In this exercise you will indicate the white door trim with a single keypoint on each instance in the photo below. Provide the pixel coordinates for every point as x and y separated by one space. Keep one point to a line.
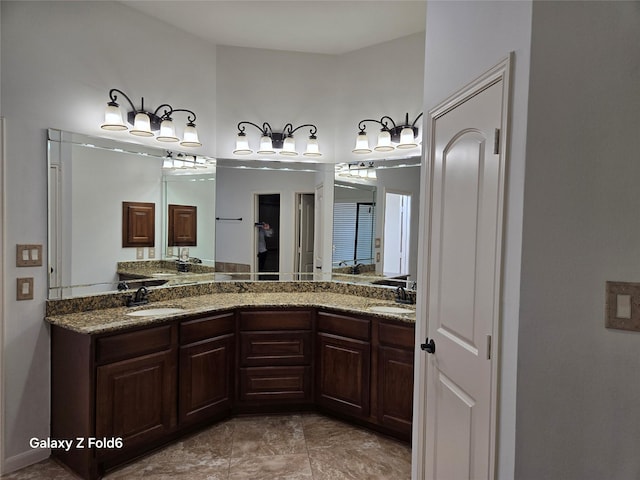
3 218
501 71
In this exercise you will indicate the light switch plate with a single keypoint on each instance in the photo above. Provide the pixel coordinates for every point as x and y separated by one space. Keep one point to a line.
140 253
152 252
622 308
24 288
28 255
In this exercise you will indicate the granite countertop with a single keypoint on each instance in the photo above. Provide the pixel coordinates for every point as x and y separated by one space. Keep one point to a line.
113 319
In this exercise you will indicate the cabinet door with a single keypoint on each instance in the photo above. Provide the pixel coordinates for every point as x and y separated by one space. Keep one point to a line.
206 379
136 398
343 374
395 389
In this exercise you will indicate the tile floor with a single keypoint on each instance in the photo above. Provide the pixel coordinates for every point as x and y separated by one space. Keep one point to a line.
287 447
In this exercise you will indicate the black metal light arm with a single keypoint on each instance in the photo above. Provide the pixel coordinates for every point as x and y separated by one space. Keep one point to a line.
114 97
264 129
289 130
191 118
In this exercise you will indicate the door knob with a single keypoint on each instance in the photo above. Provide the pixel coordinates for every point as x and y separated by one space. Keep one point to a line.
429 346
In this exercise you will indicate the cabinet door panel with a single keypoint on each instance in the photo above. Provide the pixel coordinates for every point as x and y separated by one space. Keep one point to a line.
206 379
135 399
395 389
343 374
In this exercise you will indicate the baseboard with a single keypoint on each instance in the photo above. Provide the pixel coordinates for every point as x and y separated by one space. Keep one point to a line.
17 462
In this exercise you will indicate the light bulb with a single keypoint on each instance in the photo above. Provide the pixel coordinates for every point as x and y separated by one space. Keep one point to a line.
406 138
362 144
167 131
113 118
313 149
266 147
384 141
190 136
289 147
242 145
141 126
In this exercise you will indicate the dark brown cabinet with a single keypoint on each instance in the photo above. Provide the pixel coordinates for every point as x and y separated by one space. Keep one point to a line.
365 370
183 226
275 359
117 386
135 399
149 385
343 364
138 224
395 377
207 368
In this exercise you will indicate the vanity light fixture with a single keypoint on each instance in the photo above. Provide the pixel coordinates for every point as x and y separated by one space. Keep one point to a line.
272 142
403 136
182 161
145 123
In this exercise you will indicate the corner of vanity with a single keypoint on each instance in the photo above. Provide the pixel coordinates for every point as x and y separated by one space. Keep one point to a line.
126 384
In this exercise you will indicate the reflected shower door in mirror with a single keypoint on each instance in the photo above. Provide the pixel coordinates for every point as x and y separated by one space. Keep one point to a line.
369 224
89 179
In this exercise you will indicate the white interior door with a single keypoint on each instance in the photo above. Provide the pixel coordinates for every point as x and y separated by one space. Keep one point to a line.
464 272
304 254
397 221
318 231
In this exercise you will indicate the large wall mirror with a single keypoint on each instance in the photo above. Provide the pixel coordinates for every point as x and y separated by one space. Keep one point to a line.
90 178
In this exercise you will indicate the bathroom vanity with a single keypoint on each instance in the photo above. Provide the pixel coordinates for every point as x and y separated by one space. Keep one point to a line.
149 379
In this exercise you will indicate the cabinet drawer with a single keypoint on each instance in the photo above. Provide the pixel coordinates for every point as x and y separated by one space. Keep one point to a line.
131 344
275 384
207 327
276 320
275 348
392 335
346 326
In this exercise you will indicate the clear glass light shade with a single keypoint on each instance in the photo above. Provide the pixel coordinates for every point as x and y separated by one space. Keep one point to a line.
362 144
167 163
141 126
167 132
190 138
384 142
242 145
113 119
406 138
266 147
289 147
313 149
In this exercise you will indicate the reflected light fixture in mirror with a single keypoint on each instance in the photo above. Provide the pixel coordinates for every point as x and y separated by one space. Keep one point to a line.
145 123
272 142
403 136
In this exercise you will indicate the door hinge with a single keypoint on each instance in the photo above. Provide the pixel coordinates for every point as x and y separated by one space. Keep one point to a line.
496 141
488 347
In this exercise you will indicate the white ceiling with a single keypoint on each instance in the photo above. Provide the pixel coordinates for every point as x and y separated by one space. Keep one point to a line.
315 26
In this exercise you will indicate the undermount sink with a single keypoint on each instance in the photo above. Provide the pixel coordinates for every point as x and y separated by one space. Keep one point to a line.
147 312
389 309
